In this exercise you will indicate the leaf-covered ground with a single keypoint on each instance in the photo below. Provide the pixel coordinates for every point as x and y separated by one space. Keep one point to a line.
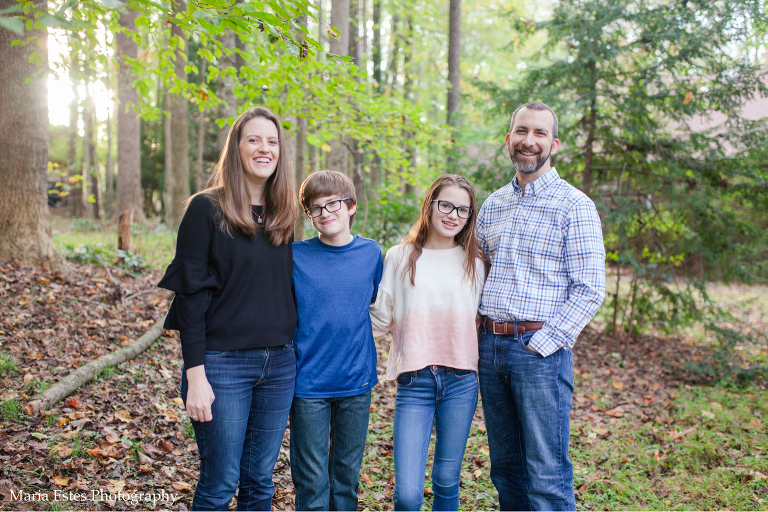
647 432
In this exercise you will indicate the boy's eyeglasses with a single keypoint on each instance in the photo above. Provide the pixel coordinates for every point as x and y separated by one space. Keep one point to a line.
330 207
445 207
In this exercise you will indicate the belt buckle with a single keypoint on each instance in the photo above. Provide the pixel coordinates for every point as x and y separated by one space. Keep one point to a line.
500 323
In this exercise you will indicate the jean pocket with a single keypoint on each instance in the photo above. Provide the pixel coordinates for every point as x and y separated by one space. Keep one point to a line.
216 353
405 380
527 348
461 374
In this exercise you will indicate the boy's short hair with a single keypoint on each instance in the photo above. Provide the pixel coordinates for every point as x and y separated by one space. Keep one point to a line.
328 183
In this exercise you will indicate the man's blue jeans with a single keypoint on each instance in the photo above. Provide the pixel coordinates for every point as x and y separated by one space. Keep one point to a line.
253 390
448 398
326 477
527 404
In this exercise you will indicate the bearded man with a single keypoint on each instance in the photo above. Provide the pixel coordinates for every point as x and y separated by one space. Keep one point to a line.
547 280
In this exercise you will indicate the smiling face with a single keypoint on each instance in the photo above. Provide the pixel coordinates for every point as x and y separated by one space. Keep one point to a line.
332 227
445 226
530 141
259 151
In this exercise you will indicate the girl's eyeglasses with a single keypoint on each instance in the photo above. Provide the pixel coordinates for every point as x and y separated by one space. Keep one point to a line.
445 207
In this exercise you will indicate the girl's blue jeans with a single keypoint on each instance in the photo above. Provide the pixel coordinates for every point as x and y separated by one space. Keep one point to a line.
447 398
253 390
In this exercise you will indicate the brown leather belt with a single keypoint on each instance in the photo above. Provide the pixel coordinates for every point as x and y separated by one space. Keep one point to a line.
508 328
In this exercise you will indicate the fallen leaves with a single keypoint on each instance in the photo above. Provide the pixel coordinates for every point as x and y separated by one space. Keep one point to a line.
74 403
182 486
116 485
123 415
63 451
616 412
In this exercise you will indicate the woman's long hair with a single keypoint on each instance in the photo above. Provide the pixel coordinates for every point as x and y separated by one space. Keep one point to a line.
466 238
228 190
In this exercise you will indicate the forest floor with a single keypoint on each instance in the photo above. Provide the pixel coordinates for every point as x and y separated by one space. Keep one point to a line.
648 431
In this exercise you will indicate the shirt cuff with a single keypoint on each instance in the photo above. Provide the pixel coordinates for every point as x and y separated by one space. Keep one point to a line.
543 342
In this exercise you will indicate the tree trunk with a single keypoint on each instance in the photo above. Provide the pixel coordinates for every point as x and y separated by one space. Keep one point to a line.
631 325
340 20
109 196
314 154
124 221
589 145
614 327
362 21
94 174
25 233
338 157
392 67
89 371
226 87
200 174
90 175
75 197
179 124
240 45
301 168
376 53
454 60
377 77
301 155
168 178
354 51
128 188
407 87
354 31
85 171
109 207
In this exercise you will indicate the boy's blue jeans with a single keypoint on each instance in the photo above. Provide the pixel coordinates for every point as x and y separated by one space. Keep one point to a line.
253 390
448 398
527 403
326 477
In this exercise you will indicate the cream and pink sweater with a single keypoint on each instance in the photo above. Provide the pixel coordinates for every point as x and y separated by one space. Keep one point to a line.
433 322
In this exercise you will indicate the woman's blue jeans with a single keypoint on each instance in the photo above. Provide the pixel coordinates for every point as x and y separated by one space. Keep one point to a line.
253 390
443 396
327 446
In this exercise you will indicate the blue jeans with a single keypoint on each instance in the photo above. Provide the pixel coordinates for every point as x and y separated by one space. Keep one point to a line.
527 404
326 477
447 397
253 390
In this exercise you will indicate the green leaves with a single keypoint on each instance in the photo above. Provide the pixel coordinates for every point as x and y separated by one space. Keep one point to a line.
15 25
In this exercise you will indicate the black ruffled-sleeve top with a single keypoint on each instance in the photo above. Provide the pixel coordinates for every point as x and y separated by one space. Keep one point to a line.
232 292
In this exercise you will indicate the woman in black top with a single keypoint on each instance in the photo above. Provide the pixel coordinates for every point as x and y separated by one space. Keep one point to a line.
235 313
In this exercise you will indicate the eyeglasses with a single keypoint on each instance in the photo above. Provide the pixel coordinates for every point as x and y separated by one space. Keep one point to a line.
330 207
445 207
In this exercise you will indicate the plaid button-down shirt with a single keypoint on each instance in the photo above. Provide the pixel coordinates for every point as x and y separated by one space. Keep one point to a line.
547 259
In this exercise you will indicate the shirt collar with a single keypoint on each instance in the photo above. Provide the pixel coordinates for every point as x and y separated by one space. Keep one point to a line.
538 185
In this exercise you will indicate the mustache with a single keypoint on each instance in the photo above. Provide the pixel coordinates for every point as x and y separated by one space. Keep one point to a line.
520 147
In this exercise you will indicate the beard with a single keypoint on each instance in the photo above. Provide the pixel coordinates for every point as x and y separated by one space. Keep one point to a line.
524 165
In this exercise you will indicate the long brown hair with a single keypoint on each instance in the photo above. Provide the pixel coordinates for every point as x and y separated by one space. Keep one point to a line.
228 190
466 238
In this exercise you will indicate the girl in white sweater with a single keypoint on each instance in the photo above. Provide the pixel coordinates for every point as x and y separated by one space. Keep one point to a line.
428 298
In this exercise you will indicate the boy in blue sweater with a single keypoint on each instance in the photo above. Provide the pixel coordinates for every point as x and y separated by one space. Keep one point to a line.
336 276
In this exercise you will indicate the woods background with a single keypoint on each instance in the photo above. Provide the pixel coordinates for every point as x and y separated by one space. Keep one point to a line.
112 113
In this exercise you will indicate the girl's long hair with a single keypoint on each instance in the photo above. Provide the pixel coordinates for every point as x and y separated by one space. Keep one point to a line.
466 238
228 191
